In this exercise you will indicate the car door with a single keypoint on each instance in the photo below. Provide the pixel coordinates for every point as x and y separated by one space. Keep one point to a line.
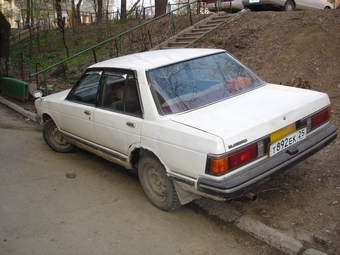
301 4
316 4
77 111
118 118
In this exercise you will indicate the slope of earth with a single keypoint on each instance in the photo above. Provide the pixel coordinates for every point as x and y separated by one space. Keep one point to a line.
303 46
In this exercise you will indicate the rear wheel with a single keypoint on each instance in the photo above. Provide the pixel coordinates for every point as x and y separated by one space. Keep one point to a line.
289 6
156 185
54 138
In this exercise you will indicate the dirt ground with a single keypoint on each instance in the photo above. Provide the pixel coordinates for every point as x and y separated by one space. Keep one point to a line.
281 47
296 48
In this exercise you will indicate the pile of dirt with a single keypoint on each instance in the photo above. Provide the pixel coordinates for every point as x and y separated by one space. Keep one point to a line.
300 49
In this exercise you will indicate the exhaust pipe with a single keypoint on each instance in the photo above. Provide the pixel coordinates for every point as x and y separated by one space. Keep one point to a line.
250 196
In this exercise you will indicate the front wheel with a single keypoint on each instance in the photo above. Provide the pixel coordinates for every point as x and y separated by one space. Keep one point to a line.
54 138
289 6
156 185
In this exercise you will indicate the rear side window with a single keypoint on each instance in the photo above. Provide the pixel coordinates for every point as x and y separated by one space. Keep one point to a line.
120 93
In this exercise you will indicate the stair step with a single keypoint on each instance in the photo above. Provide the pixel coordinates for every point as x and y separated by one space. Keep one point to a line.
200 30
224 17
185 39
196 34
208 26
213 21
188 39
178 44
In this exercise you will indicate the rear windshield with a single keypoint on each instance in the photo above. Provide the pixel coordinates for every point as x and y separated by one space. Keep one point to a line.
198 82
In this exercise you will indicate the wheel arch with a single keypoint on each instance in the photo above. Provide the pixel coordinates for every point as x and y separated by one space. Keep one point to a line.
138 152
184 195
45 117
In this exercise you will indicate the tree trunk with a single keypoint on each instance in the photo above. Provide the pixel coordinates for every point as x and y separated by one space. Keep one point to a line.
61 24
160 7
28 7
78 12
123 10
100 11
74 14
6 69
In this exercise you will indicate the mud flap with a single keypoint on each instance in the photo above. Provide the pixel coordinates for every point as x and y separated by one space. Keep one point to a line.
184 196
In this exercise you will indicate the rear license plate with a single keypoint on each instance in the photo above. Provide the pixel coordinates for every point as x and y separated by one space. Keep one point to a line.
287 141
254 1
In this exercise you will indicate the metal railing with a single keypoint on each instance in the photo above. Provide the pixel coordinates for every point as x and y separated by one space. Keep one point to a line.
20 36
119 36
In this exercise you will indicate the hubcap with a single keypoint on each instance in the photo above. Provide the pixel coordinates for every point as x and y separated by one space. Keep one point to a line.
156 183
57 138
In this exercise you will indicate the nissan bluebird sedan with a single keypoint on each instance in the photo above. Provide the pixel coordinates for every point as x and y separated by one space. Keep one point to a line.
191 122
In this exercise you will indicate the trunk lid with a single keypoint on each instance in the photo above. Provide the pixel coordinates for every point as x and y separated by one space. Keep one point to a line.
254 114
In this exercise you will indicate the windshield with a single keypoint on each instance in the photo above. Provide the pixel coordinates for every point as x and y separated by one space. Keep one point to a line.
194 83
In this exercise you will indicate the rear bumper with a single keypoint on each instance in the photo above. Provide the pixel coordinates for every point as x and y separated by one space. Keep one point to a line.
266 169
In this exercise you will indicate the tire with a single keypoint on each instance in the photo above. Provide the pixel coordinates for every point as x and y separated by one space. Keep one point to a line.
55 139
157 186
289 6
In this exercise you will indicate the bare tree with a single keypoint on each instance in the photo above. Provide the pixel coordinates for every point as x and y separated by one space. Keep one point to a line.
134 9
61 23
160 7
21 5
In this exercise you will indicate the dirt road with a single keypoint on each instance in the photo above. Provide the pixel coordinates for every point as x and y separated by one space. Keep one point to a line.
101 211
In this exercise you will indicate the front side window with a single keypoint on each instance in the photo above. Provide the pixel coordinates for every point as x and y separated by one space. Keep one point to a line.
194 83
86 90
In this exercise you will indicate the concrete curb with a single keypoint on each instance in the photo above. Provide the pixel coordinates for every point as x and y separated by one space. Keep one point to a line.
271 236
260 231
19 109
313 252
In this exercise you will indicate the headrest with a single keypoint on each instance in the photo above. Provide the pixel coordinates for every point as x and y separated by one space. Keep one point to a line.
120 93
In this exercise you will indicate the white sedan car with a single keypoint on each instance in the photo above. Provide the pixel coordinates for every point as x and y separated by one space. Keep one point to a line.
287 5
223 5
192 122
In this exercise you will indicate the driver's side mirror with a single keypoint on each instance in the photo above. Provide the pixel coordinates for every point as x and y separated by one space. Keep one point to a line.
37 94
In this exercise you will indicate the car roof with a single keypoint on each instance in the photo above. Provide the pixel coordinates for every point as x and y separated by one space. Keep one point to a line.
156 58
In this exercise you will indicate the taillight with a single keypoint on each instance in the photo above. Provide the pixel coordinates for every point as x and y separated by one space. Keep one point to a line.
320 118
222 165
243 156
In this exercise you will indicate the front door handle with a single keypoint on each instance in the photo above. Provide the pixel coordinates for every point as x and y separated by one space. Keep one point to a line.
87 112
131 124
